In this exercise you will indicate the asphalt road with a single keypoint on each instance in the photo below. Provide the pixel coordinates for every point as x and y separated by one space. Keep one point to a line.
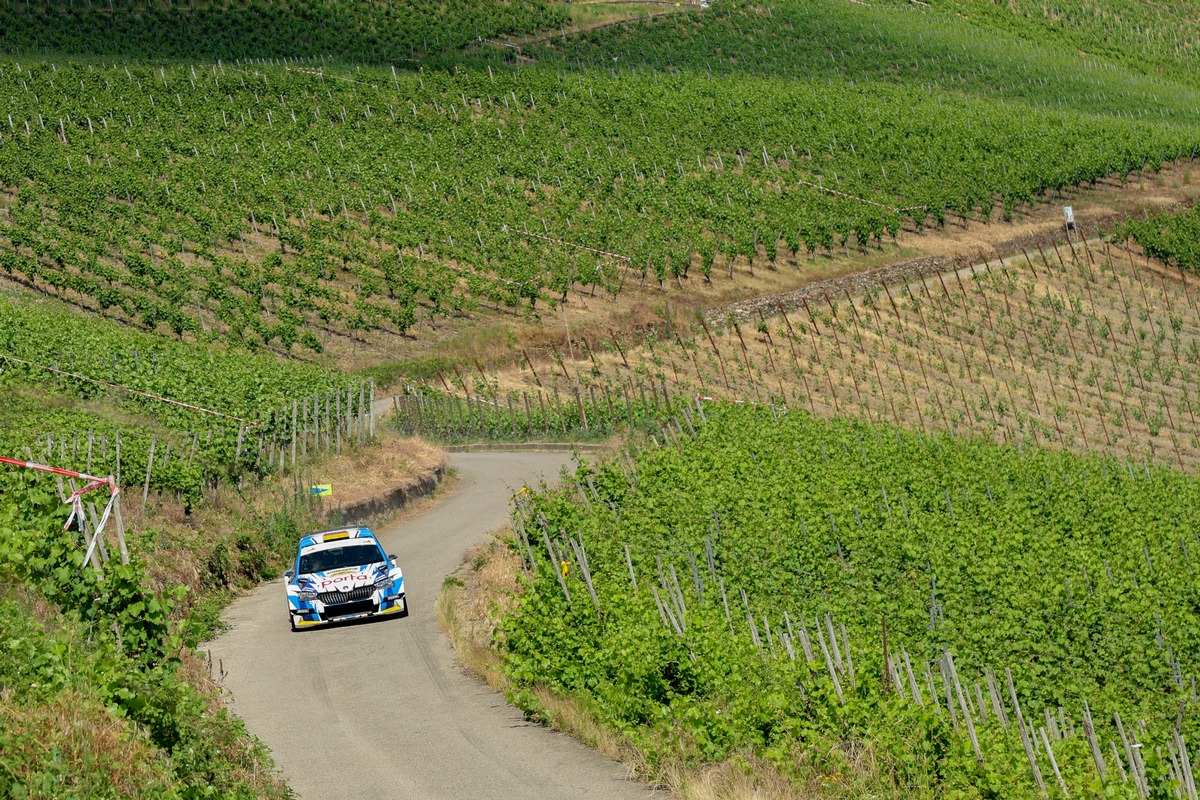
381 708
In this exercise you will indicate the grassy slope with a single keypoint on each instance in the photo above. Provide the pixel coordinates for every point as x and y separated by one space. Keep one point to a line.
99 696
1158 37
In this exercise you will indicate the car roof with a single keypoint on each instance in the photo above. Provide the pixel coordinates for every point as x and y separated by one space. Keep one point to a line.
334 536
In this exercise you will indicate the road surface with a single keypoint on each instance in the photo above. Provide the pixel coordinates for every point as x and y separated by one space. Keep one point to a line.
381 708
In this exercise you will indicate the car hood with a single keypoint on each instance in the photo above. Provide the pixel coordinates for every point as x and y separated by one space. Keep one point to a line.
342 580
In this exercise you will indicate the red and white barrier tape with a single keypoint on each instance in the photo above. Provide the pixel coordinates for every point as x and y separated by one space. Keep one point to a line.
118 387
92 483
568 244
860 199
425 259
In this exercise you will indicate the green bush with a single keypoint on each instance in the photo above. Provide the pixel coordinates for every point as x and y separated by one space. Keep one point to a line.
114 647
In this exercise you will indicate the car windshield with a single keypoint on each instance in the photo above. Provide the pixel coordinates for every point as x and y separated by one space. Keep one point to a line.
352 555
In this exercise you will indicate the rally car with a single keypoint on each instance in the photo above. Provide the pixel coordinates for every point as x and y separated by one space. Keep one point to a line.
342 574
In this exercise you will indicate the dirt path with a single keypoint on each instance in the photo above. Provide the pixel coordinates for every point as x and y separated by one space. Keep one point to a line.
381 709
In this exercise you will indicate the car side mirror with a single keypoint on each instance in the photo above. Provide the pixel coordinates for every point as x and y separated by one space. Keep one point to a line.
290 574
392 559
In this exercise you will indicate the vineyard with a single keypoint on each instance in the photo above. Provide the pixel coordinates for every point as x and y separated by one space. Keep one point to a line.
87 394
794 586
596 412
297 209
1154 37
1085 345
1170 237
899 43
196 30
925 529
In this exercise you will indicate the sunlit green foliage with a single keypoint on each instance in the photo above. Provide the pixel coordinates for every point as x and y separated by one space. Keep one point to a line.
53 414
264 205
1152 36
1078 574
109 653
1173 237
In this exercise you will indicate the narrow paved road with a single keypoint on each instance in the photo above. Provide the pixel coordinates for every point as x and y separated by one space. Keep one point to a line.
381 709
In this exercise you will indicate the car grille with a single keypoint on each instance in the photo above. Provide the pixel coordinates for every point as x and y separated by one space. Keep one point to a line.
347 609
352 596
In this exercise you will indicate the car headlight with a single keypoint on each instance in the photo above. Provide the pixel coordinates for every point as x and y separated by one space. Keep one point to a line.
384 583
307 595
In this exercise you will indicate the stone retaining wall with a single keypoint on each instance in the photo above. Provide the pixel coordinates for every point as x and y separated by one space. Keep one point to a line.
861 283
363 510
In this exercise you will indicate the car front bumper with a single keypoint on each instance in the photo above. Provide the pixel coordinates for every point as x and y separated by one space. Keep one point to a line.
313 616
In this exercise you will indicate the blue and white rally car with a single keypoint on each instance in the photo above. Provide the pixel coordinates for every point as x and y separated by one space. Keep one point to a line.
342 574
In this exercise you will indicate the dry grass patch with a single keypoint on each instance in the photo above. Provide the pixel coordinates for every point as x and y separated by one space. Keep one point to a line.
360 473
568 715
471 602
751 779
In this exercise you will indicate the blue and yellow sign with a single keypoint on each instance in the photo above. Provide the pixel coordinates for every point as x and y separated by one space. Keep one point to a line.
323 490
